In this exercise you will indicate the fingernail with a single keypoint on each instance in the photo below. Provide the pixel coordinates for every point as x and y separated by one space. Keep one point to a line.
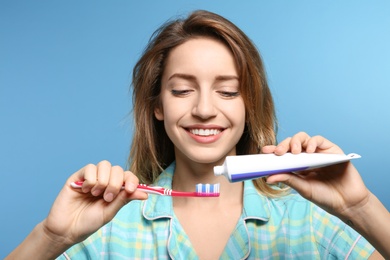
131 187
109 197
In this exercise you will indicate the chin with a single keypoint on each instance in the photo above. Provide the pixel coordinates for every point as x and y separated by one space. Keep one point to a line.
208 158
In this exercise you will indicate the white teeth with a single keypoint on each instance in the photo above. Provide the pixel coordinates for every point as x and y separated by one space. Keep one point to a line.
205 132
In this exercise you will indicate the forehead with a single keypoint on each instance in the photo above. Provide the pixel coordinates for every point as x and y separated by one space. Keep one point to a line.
201 55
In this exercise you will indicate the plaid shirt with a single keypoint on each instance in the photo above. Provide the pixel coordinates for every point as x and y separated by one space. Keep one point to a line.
285 228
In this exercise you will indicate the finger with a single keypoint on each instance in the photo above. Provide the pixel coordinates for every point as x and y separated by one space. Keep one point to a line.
268 149
322 144
115 183
131 182
283 147
88 174
298 142
129 193
315 143
103 177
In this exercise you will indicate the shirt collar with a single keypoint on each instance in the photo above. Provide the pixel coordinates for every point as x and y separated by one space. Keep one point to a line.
157 206
256 206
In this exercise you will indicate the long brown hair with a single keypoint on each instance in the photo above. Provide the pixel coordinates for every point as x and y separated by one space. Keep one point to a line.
152 150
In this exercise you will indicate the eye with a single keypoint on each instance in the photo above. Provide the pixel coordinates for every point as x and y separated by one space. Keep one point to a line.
180 93
229 94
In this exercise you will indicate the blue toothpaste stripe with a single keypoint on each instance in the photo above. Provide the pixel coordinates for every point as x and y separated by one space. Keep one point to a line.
253 175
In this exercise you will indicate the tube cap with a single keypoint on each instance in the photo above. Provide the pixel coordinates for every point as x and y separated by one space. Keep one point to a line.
218 170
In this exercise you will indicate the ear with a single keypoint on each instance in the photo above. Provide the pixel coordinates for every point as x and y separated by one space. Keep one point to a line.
159 114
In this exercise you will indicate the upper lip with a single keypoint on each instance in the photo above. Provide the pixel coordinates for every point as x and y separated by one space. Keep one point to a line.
204 127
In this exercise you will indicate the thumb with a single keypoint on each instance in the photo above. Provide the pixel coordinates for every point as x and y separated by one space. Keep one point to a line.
295 181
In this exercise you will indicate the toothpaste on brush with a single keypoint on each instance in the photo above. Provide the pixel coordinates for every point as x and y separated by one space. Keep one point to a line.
246 167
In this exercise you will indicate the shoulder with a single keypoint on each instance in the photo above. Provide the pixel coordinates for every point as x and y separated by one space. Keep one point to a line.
331 234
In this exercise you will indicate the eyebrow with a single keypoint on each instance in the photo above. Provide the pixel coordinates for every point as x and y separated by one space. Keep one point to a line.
182 76
193 78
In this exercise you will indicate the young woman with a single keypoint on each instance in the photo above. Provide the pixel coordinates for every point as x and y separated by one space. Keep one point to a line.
200 94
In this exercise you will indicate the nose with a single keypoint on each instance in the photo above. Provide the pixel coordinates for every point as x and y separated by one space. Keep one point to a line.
204 107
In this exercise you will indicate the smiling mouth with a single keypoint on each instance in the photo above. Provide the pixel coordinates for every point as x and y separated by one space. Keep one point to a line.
205 132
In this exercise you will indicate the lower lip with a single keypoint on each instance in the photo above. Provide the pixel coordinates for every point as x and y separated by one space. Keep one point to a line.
205 139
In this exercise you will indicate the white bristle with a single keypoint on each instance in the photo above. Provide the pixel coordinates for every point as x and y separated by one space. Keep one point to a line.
207 188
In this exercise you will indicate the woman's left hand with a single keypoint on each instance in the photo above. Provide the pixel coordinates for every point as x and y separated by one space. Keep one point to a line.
338 188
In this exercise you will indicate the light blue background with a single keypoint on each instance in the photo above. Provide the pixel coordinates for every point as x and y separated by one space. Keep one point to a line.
65 69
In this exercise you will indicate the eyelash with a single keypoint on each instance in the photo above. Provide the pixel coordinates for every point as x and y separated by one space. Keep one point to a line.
229 94
180 92
226 94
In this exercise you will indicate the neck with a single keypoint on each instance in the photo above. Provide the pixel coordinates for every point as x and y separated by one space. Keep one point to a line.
186 176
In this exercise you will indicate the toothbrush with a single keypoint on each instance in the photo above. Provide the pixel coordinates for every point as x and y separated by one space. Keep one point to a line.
202 190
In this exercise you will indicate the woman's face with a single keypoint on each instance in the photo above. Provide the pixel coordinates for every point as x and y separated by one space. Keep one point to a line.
202 109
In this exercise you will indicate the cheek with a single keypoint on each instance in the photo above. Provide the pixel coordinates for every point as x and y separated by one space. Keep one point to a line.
173 112
236 111
172 109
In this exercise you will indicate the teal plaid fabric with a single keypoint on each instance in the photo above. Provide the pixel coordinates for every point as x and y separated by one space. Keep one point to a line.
285 228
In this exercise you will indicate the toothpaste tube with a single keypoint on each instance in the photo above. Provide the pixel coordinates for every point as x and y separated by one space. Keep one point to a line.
246 167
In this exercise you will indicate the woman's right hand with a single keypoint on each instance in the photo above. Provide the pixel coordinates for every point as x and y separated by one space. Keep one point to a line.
77 213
